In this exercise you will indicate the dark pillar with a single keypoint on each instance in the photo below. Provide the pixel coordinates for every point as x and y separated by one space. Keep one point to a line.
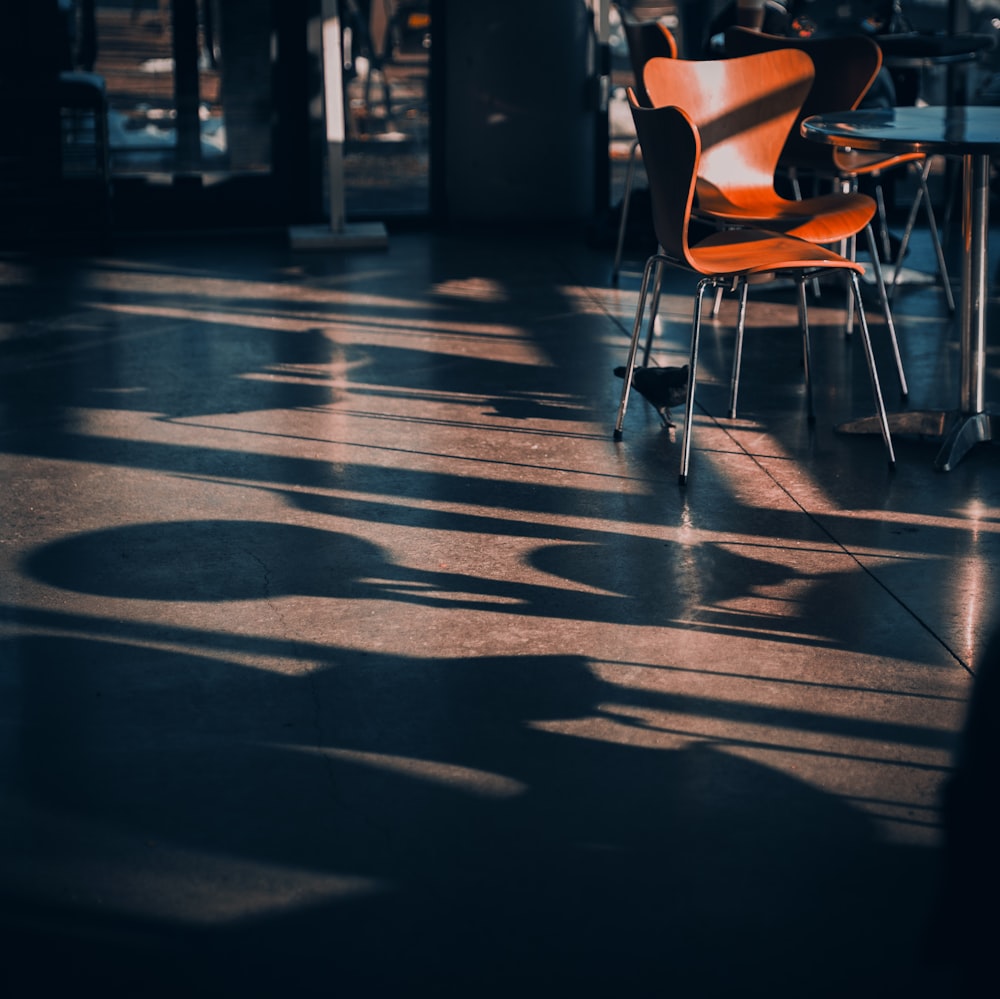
519 108
958 22
34 48
244 29
186 85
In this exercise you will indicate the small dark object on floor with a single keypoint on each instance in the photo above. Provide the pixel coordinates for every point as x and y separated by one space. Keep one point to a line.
660 387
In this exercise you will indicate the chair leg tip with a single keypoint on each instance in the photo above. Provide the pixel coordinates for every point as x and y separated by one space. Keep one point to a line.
617 434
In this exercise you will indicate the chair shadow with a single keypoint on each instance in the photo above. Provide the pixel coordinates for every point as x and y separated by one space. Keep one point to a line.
439 828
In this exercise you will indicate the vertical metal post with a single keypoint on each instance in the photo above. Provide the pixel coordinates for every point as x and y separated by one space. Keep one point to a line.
956 74
975 422
338 235
975 219
333 96
184 14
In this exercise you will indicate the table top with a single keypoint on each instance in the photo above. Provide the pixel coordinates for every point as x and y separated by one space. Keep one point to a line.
913 48
955 129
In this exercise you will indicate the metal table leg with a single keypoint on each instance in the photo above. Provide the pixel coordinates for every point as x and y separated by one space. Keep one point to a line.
972 423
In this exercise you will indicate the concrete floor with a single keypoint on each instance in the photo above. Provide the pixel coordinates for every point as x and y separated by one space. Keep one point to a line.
344 653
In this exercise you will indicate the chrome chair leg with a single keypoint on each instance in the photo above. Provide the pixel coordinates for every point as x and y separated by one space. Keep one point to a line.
741 314
938 248
883 418
654 311
793 177
623 221
806 348
883 298
923 195
851 252
883 219
654 263
692 378
886 309
908 231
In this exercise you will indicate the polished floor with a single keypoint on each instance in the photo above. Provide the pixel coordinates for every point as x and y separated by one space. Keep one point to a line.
343 652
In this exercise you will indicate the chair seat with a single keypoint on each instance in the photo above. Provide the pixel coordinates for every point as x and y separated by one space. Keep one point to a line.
749 252
825 218
862 162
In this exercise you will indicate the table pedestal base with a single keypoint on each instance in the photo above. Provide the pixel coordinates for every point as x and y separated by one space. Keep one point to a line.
969 430
958 432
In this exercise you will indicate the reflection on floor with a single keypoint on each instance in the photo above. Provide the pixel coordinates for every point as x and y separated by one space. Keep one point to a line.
344 652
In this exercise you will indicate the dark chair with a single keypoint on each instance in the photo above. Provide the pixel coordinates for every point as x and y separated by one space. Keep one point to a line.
85 157
846 67
645 40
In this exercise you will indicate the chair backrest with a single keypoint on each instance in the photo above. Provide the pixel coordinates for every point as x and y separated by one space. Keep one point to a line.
845 68
671 147
645 40
744 109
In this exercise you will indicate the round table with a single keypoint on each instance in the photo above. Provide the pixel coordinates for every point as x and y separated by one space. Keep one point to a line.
918 50
974 134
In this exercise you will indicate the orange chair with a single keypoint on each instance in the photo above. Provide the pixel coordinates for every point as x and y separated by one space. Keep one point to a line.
672 150
845 69
745 108
645 40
